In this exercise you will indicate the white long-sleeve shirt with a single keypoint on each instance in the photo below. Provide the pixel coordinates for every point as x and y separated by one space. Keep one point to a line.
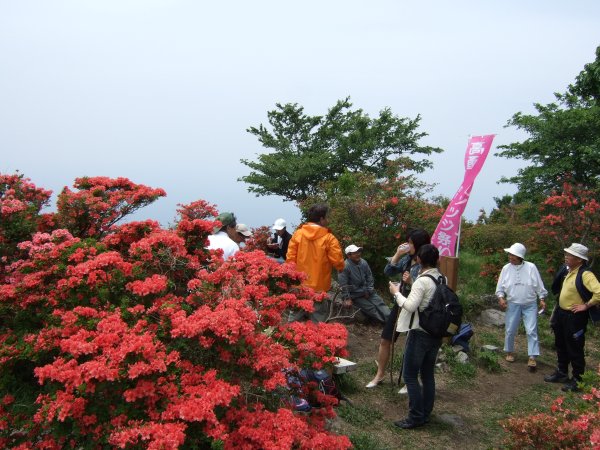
521 283
420 295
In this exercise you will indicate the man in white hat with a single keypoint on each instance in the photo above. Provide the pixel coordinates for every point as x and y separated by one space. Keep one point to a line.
278 244
357 283
518 289
578 291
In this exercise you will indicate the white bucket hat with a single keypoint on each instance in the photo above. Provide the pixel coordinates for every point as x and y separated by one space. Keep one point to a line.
352 249
279 224
517 250
581 251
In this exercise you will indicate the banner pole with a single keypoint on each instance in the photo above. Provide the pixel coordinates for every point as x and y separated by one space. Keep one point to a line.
458 236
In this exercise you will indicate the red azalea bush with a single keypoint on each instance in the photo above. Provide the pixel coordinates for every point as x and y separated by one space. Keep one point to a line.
576 426
572 215
136 336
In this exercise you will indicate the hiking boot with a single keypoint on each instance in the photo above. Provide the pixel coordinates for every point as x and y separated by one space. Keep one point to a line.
510 357
531 364
408 424
570 386
556 377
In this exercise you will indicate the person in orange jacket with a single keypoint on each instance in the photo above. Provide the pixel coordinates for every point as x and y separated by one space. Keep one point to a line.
315 250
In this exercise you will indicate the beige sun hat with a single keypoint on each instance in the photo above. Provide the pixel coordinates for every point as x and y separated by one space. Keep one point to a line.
579 250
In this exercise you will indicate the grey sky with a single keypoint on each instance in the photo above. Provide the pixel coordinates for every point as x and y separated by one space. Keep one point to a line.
162 92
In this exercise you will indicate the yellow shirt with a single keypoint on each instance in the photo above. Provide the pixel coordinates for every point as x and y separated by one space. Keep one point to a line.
569 295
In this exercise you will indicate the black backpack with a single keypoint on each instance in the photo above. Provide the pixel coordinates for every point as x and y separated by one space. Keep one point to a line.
442 316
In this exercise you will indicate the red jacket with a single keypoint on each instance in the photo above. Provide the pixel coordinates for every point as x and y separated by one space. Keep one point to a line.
315 250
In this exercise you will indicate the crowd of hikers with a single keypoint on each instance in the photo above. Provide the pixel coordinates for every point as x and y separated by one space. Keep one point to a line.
520 290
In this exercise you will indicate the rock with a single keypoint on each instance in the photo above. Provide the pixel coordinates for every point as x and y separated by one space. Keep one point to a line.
462 357
490 348
457 348
492 317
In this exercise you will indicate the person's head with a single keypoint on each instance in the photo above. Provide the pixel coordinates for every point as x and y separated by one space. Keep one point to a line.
576 255
228 223
428 256
279 226
516 253
318 213
353 253
242 233
416 239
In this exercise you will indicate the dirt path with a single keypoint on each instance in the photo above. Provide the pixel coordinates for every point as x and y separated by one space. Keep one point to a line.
465 415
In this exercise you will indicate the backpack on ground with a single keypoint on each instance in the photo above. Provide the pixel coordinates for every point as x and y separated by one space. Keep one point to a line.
299 380
465 332
442 316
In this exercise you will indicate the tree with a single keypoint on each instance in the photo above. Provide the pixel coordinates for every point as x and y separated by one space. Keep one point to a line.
307 150
564 140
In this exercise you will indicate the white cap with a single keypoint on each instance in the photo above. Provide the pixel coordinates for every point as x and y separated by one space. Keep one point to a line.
352 249
243 229
581 251
279 224
517 249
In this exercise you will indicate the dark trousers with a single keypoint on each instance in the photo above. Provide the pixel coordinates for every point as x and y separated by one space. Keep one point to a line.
419 359
569 338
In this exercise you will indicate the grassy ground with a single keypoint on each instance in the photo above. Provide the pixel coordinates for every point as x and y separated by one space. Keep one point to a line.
472 399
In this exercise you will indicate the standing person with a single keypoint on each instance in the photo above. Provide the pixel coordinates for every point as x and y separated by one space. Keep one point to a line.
421 348
225 237
357 283
280 241
578 291
403 262
518 289
315 251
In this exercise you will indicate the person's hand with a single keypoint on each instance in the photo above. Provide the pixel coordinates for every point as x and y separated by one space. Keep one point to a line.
394 287
542 305
402 249
406 277
502 302
579 308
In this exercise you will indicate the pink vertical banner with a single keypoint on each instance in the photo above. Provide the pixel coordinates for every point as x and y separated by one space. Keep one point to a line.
446 233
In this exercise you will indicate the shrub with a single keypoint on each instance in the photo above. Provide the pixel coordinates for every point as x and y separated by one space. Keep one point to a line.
137 336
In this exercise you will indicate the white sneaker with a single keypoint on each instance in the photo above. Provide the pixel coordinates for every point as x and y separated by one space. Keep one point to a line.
403 390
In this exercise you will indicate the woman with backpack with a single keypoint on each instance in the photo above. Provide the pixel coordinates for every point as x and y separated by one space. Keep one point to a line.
404 262
421 348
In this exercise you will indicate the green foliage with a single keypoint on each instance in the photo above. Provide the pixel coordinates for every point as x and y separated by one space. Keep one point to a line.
358 415
308 150
365 441
489 361
493 237
564 139
462 373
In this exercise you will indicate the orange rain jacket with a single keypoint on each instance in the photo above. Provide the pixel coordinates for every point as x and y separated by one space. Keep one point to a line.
315 250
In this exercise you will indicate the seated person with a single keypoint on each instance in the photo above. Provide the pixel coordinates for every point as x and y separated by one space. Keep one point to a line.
356 282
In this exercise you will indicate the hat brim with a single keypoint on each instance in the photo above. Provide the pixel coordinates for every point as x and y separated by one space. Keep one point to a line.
578 255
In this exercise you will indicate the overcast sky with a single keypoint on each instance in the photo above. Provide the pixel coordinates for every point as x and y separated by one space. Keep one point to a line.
162 92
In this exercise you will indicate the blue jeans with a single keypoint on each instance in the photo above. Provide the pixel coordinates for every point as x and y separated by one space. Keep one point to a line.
514 312
419 359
